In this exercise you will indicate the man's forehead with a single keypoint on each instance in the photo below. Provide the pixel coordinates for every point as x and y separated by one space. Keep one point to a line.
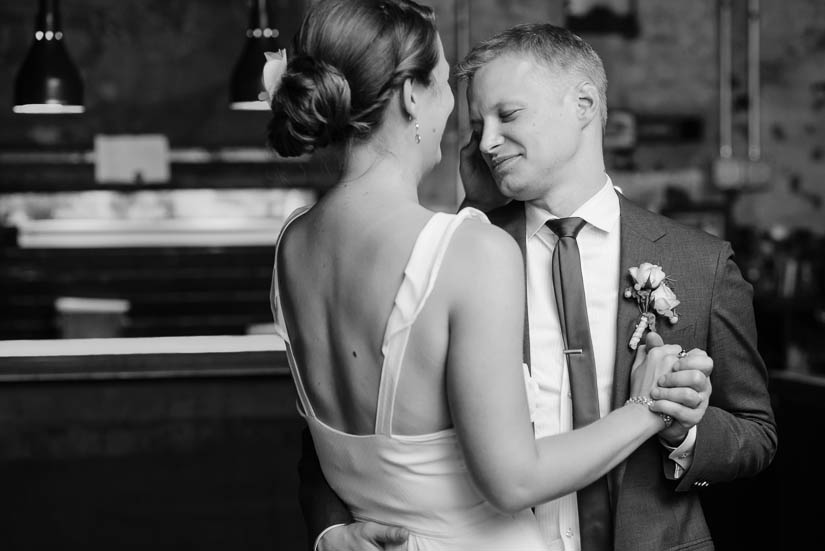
500 80
518 65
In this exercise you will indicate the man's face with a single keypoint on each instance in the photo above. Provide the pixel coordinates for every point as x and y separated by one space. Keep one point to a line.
525 118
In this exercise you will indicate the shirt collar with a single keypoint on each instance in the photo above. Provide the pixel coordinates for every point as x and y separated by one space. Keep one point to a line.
600 211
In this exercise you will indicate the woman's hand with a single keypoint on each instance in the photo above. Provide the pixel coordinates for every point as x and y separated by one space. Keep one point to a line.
654 359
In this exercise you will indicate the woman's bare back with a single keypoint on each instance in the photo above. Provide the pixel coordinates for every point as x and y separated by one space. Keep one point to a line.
340 268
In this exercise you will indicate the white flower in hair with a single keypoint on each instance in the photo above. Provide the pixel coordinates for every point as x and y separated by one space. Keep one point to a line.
273 71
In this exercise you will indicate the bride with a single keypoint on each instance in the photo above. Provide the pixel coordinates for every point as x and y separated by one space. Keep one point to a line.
404 326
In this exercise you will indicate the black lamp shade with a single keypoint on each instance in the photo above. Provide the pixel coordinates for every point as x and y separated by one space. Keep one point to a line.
48 81
246 89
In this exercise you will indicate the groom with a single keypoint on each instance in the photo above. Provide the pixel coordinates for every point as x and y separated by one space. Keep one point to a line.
537 98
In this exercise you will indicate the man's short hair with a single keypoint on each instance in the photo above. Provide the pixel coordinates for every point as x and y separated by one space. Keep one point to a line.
556 47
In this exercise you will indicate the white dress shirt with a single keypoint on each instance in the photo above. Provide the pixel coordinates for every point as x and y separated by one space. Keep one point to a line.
599 247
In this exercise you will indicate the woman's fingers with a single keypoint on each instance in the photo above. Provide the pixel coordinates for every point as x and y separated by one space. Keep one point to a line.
697 360
664 354
653 339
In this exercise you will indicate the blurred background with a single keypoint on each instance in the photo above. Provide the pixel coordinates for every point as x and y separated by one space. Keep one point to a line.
145 402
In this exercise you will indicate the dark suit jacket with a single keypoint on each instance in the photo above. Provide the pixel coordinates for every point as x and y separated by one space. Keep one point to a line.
737 436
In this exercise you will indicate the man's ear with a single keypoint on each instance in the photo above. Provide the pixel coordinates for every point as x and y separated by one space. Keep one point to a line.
408 99
587 102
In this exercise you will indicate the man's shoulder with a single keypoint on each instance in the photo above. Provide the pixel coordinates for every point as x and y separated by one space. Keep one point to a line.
642 219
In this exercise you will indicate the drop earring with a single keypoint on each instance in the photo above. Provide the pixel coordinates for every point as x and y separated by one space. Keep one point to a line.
417 128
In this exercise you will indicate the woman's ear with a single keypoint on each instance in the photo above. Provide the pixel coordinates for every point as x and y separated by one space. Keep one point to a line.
587 102
408 98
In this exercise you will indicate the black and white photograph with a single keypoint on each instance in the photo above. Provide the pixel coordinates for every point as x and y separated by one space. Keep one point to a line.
412 275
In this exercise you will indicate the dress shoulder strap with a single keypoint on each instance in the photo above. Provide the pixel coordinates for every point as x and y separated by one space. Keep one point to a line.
417 284
280 323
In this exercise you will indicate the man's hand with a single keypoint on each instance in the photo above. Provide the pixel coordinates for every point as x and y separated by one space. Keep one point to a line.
364 536
480 189
684 394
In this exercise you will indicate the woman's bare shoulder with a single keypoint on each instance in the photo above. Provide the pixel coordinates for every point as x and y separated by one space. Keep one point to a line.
481 258
479 239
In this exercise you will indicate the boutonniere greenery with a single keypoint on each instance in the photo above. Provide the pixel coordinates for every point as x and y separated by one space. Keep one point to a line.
652 293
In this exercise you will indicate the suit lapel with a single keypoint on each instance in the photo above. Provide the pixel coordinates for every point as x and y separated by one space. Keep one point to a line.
511 218
637 246
639 232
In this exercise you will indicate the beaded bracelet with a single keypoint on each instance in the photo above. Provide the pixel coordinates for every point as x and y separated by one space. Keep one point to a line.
646 401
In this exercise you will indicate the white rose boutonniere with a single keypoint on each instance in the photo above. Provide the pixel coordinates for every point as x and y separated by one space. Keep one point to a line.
652 293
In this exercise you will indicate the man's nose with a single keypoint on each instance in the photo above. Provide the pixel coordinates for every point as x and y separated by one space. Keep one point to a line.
490 140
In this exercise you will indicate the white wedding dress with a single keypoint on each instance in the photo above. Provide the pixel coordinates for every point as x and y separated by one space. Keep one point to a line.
419 482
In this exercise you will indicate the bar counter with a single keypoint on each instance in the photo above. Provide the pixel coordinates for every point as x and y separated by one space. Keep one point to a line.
142 358
149 443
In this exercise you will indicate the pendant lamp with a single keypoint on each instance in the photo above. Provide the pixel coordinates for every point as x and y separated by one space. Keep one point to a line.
246 91
48 82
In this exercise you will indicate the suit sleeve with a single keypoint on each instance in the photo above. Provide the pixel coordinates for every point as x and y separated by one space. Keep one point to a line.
320 505
737 437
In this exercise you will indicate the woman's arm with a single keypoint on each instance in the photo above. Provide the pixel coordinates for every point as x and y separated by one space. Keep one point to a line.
486 388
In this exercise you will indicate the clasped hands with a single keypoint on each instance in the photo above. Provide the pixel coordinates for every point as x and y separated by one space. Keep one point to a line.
683 392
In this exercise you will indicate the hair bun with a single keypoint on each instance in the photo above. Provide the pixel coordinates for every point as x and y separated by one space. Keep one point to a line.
311 109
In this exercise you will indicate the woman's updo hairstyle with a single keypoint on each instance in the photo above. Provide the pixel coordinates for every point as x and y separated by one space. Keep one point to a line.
348 58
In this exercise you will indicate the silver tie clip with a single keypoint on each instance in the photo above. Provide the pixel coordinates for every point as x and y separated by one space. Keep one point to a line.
573 351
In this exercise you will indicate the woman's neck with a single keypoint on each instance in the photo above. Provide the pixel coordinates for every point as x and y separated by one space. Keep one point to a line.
373 171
